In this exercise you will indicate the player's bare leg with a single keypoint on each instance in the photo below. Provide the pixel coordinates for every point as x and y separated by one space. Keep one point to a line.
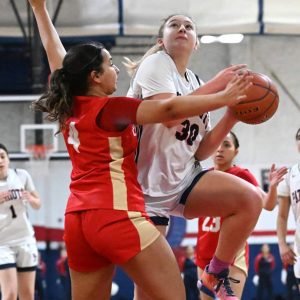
92 285
239 204
26 282
155 273
8 282
139 294
232 198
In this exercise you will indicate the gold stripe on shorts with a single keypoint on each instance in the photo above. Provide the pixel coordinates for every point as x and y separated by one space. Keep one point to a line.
147 231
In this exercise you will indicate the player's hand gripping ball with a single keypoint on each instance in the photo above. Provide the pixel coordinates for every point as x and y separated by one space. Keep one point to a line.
261 102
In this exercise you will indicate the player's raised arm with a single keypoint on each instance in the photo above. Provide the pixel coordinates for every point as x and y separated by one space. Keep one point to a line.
287 254
178 107
275 177
49 36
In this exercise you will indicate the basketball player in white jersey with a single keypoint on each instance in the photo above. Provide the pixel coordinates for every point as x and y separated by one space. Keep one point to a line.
18 249
289 196
168 159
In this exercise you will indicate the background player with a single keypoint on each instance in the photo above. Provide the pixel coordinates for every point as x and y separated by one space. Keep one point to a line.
289 196
18 249
209 227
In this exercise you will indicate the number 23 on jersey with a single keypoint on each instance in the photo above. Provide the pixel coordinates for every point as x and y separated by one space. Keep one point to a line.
211 224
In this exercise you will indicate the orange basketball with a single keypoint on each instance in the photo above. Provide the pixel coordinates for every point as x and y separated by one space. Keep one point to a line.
261 102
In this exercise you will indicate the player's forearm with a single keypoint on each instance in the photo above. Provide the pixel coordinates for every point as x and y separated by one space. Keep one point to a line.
281 230
270 198
50 38
34 200
213 138
35 203
209 87
177 108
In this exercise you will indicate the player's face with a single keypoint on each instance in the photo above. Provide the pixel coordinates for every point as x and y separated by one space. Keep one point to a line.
226 152
109 75
4 162
179 34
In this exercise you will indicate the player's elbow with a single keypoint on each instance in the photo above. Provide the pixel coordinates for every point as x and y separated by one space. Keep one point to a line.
268 206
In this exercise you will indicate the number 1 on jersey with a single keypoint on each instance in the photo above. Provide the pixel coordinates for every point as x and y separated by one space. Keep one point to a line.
13 212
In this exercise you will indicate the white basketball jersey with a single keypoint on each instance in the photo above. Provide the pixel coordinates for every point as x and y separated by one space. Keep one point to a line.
290 187
14 224
165 156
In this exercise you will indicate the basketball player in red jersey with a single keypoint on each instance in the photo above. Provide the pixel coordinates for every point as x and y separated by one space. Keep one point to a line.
209 227
105 220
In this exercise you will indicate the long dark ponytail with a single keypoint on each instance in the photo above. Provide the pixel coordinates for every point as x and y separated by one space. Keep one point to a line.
69 81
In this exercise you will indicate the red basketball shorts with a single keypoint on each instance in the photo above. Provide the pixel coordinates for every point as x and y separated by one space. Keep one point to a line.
96 238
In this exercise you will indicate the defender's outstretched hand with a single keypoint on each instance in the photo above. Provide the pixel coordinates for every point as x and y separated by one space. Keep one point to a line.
276 175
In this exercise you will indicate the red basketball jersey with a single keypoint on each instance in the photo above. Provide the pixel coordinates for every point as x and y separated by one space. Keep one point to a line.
209 227
104 173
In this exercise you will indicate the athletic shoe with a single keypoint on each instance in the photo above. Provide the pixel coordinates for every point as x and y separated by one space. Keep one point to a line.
217 285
